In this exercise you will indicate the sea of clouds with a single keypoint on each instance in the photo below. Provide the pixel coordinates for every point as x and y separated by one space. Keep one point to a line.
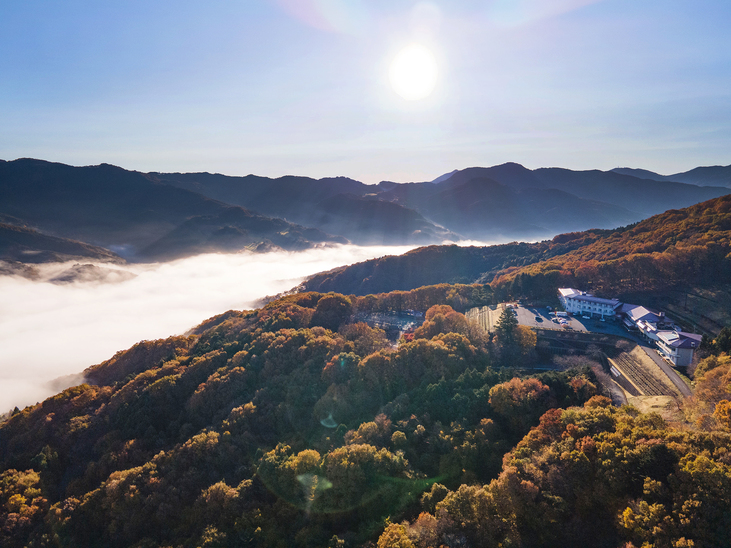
50 330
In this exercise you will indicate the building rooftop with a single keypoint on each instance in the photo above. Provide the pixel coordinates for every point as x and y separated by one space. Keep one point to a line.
640 313
571 293
598 300
568 292
680 339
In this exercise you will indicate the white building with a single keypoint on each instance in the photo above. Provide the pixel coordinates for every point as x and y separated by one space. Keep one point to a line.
674 345
581 302
649 322
677 346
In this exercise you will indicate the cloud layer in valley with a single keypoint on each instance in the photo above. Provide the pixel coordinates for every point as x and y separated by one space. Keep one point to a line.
49 330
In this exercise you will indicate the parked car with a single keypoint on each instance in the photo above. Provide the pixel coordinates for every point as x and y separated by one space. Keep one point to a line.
539 319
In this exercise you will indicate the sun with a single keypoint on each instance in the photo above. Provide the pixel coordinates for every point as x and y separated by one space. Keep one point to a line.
414 72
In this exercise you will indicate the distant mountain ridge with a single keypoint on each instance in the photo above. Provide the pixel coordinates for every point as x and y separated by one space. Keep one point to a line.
26 245
642 196
311 202
163 216
505 201
118 209
701 176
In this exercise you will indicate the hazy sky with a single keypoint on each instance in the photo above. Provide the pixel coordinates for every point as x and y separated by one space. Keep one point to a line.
278 87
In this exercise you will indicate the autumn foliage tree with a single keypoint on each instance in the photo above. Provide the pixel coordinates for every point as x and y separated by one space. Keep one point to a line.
520 402
332 311
598 476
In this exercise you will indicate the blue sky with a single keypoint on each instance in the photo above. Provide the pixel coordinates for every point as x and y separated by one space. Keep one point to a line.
277 87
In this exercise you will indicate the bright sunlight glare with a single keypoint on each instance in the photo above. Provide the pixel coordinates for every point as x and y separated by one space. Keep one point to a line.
413 72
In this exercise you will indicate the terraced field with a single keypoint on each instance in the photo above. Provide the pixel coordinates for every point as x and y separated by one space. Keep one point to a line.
645 381
486 316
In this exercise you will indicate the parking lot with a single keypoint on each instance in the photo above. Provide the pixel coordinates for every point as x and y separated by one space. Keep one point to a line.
528 316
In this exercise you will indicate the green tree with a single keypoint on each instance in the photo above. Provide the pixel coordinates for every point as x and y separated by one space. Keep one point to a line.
506 327
722 343
509 338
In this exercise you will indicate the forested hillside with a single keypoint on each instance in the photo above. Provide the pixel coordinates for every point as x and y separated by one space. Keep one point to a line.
130 212
292 426
686 247
442 264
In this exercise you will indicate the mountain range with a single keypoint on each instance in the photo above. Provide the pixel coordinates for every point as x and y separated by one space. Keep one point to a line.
130 212
163 216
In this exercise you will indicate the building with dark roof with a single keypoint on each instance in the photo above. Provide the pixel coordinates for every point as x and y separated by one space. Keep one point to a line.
678 346
646 320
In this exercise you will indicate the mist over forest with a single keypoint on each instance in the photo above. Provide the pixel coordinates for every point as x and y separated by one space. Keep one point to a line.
48 330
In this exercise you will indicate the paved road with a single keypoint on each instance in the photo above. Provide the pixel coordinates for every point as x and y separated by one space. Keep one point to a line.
618 395
669 371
